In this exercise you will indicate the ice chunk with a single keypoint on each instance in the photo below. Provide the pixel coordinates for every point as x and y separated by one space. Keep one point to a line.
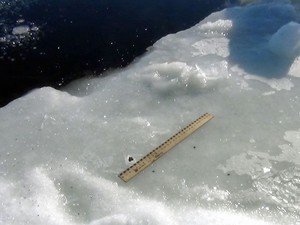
20 21
286 41
175 77
24 29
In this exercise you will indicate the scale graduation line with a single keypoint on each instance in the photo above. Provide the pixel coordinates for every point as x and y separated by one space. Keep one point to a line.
155 154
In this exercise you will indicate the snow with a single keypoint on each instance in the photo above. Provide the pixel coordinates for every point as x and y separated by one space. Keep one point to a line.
61 151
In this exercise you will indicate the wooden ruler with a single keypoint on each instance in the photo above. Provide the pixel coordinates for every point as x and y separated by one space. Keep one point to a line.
155 154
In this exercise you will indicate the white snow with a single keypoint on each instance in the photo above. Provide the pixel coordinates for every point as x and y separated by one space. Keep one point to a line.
61 151
295 68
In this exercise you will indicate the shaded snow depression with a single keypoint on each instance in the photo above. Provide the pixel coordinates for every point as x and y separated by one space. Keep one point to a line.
61 151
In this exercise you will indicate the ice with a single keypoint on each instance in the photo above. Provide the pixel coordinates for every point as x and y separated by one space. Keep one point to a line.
20 30
295 68
61 151
286 41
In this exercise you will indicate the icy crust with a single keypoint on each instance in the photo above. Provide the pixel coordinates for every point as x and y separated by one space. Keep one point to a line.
60 166
276 176
61 152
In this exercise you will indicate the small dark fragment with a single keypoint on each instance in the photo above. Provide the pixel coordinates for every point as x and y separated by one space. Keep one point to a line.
130 159
228 174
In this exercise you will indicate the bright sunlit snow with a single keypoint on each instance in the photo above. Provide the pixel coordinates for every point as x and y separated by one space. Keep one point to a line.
61 152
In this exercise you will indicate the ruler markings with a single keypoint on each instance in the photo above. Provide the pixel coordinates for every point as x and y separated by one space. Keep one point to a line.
155 154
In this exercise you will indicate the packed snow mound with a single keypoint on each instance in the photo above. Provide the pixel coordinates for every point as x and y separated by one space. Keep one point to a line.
61 151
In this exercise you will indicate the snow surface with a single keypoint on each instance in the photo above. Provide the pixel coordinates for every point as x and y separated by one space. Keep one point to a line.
61 151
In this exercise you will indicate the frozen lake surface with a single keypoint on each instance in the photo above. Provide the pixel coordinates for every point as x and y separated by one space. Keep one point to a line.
61 151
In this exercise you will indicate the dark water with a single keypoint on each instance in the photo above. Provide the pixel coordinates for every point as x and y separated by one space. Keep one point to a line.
69 39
